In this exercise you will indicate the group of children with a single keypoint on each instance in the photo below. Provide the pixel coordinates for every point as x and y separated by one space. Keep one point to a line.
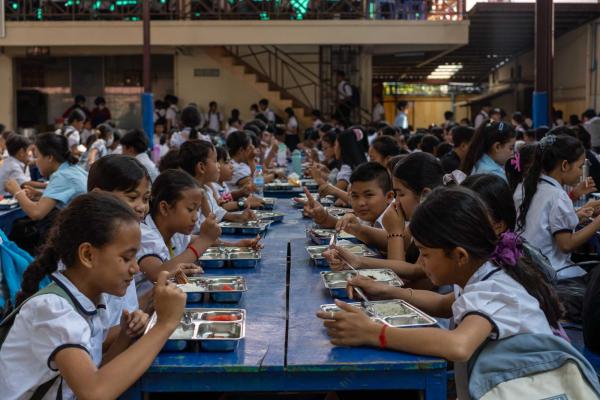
461 244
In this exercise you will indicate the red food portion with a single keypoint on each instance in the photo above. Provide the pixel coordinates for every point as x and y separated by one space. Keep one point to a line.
222 318
227 287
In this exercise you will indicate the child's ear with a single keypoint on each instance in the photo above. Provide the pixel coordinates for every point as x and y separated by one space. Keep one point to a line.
564 166
199 170
85 255
424 193
461 256
163 208
389 197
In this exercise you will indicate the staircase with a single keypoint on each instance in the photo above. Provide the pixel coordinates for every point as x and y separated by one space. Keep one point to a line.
282 83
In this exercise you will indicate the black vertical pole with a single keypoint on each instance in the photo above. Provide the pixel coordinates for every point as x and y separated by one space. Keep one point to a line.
147 102
544 56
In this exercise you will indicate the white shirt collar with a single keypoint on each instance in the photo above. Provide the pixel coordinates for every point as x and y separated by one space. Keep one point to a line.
81 301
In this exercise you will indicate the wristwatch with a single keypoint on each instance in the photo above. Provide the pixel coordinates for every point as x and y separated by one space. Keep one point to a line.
241 204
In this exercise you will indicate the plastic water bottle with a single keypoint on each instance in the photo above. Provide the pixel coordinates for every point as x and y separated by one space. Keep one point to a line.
282 155
259 180
297 162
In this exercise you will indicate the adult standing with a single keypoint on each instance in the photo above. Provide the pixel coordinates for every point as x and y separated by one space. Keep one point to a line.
344 97
401 120
100 113
483 115
378 114
79 104
591 123
291 130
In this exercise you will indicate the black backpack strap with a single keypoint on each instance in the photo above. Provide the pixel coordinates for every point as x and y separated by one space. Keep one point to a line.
41 391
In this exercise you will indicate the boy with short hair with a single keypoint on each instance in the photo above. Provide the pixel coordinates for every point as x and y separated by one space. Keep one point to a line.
15 166
370 195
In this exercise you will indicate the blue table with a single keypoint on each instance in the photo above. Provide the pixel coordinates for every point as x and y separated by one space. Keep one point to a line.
307 362
318 365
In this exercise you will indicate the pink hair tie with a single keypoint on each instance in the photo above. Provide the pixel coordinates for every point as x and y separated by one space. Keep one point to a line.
358 134
516 161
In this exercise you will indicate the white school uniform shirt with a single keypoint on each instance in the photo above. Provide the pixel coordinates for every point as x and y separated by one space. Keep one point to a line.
215 208
317 123
492 294
116 150
72 136
344 173
551 212
220 188
269 114
344 90
378 113
171 113
149 165
153 245
13 169
292 123
214 120
240 171
45 325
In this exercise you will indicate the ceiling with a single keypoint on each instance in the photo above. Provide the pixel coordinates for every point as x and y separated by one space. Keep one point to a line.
497 31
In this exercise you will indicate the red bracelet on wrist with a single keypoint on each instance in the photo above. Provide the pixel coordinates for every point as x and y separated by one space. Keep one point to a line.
194 250
572 196
382 339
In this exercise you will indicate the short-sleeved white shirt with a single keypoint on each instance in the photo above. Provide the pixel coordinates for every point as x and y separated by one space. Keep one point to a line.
378 113
344 90
215 208
72 136
149 165
240 171
344 173
45 325
13 169
171 113
153 245
551 212
214 121
292 123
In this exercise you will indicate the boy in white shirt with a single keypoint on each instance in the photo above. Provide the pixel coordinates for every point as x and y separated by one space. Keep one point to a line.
15 166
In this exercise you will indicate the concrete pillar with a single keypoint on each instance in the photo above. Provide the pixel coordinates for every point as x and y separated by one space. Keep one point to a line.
365 66
544 56
7 88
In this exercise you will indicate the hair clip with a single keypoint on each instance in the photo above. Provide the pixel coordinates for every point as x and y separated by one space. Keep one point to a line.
548 140
456 176
500 126
358 134
516 161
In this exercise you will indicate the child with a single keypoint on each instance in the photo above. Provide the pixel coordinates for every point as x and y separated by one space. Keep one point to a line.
461 138
66 179
214 119
190 119
349 153
224 196
72 131
414 177
135 144
490 147
99 148
243 156
383 148
15 166
494 297
65 354
167 243
370 194
199 159
547 218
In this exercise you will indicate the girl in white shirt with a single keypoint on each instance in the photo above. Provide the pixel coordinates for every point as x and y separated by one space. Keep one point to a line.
135 144
546 217
349 153
291 133
58 341
243 157
71 131
167 240
495 296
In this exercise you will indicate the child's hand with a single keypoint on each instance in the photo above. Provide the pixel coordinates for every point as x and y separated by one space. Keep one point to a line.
210 229
370 287
314 210
350 326
340 203
334 260
248 214
134 324
393 219
585 214
347 221
345 256
12 186
586 187
252 243
169 302
189 269
254 202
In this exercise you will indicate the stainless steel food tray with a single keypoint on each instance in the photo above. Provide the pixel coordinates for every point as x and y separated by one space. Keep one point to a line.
219 289
207 329
321 236
244 228
225 256
336 281
394 313
316 252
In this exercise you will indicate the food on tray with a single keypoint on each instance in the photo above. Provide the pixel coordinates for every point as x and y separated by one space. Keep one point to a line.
388 309
222 318
181 278
227 287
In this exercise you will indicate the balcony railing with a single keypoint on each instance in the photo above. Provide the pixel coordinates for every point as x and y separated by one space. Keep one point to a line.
131 10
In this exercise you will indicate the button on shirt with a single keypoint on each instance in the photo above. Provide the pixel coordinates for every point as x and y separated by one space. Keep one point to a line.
45 325
13 169
67 182
551 212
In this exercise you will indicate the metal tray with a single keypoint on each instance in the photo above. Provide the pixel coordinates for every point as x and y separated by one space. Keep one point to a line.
269 204
321 236
219 289
8 204
316 252
394 313
336 282
269 216
279 186
207 329
236 257
245 228
301 200
310 184
338 211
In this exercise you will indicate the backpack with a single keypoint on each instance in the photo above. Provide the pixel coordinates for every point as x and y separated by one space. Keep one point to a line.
8 322
354 100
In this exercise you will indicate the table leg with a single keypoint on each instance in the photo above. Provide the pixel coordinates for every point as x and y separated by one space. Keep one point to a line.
133 393
436 388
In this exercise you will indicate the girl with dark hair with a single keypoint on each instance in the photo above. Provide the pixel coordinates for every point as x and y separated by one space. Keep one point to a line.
73 128
135 144
517 166
292 137
494 296
167 240
550 224
414 177
70 317
66 179
190 121
243 159
383 148
349 154
99 148
489 149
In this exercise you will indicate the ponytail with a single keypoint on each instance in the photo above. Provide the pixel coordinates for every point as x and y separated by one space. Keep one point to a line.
550 152
483 139
57 146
